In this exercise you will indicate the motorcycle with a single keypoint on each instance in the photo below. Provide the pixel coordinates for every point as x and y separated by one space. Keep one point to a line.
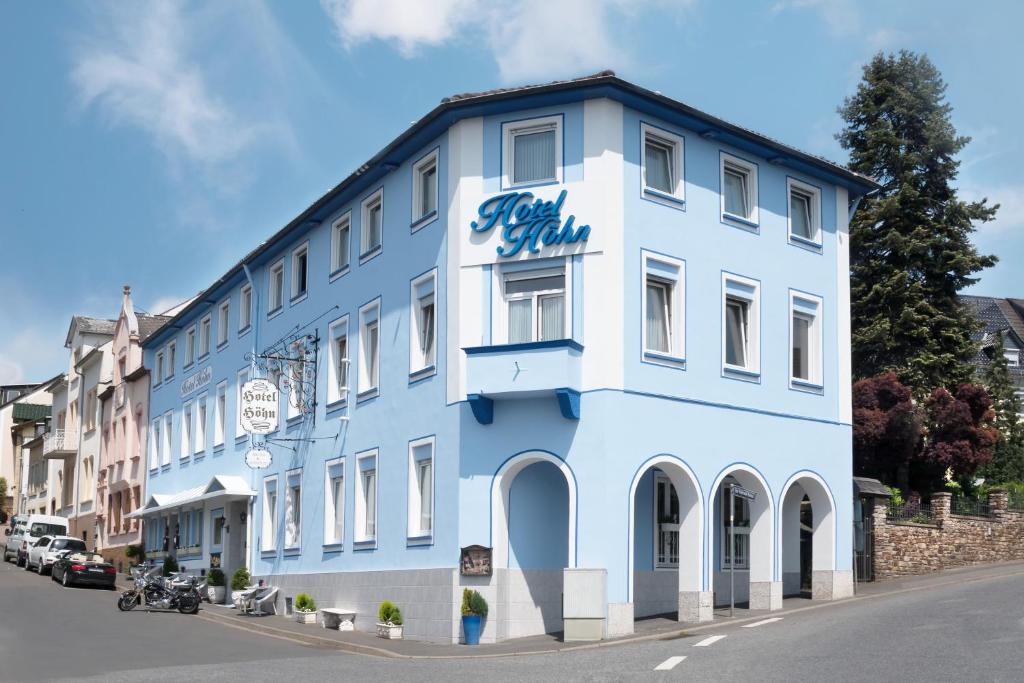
177 592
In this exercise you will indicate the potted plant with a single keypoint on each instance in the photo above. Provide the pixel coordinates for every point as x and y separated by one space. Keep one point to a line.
215 586
389 624
304 609
240 580
474 610
170 565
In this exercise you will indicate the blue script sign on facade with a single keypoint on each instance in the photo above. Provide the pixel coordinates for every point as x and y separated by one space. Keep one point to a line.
528 222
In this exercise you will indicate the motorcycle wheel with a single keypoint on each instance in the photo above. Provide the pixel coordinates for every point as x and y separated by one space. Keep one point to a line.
188 603
127 601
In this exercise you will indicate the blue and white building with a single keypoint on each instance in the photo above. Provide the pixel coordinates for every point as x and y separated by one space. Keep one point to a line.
555 321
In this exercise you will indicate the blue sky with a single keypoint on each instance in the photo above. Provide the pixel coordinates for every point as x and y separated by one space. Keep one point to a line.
153 144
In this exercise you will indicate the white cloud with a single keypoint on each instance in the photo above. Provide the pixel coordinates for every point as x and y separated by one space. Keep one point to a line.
1010 216
138 71
163 304
528 38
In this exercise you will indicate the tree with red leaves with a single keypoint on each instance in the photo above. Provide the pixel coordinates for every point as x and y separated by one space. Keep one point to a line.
887 429
961 432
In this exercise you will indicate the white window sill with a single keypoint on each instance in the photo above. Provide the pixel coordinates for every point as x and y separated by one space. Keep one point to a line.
665 359
741 220
811 245
423 221
742 373
806 386
338 273
422 373
367 394
420 539
334 546
370 255
365 544
660 197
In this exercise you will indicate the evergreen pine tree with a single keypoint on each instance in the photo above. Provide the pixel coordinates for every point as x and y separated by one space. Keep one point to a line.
910 250
1008 461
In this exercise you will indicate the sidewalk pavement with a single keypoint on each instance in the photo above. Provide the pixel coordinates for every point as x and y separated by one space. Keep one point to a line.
655 628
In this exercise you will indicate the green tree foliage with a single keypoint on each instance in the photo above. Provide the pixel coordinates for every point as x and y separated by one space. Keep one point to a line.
1008 460
910 250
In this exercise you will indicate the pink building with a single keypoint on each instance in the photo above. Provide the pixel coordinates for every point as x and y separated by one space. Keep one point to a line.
125 414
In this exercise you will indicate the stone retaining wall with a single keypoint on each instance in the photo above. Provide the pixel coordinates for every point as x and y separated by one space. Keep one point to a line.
949 541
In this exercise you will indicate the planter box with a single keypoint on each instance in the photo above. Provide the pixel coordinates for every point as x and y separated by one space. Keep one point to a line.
388 631
216 594
305 617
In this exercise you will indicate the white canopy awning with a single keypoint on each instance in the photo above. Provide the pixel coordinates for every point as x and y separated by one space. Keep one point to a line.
222 485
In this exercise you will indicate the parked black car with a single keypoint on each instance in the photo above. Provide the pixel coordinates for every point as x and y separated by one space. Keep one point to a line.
79 568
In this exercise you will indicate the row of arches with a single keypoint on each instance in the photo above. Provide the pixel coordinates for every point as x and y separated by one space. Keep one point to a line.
678 533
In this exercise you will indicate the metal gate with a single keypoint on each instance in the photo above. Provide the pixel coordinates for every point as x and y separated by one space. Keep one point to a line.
864 549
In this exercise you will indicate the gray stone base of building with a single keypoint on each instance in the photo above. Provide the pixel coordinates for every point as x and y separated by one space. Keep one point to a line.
831 584
620 619
427 597
696 606
766 595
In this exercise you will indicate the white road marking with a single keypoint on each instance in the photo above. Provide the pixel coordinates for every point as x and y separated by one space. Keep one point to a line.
669 664
708 641
762 622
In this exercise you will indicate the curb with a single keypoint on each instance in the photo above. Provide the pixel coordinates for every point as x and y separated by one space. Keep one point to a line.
367 650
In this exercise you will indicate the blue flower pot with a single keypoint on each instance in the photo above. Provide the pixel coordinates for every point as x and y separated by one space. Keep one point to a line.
471 628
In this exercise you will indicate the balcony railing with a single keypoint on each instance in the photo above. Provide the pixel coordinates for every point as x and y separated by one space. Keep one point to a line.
60 442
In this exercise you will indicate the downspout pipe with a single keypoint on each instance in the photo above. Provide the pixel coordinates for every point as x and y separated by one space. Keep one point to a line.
250 559
856 204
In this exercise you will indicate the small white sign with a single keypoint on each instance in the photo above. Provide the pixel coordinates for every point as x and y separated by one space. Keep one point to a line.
258 458
260 401
196 381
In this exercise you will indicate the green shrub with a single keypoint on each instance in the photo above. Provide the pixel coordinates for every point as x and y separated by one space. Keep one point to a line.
896 498
134 552
473 603
240 580
388 613
304 603
170 565
215 577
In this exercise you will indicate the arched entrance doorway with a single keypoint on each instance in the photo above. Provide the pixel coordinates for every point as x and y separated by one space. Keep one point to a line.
666 542
742 559
808 533
533 534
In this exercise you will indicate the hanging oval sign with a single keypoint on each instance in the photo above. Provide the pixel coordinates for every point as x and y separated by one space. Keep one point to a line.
258 458
259 406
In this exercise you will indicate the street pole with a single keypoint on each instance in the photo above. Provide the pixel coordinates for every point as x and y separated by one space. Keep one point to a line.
732 550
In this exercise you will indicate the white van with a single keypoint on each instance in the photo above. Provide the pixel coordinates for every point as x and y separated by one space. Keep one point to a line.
29 530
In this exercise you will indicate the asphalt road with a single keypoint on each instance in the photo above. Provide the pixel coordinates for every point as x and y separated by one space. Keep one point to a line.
973 630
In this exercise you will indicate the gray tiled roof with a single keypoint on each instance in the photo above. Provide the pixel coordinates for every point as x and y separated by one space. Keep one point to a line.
148 324
998 316
95 325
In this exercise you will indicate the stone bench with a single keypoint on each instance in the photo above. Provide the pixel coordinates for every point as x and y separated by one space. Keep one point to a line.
338 618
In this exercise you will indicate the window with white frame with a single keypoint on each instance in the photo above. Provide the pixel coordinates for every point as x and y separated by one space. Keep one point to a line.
805 339
219 412
243 377
422 323
532 150
217 522
154 444
369 347
190 346
666 523
172 349
186 430
201 424
804 211
334 502
244 308
300 271
275 287
341 243
740 324
739 189
205 326
158 367
424 187
268 536
663 306
535 305
366 501
737 554
293 510
165 454
662 161
372 235
1012 357
338 361
421 487
223 321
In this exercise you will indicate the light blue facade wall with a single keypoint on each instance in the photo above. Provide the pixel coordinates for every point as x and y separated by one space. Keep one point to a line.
707 421
403 411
